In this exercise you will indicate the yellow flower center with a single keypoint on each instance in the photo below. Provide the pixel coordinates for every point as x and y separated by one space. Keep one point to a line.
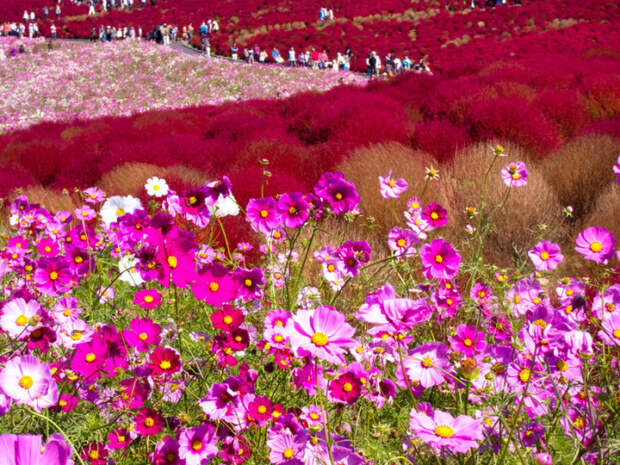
165 364
261 409
248 282
338 196
90 357
347 387
228 319
148 422
319 339
541 323
596 246
78 259
213 286
53 276
524 375
26 382
278 338
444 431
196 444
120 438
544 255
467 342
76 335
172 262
516 176
143 336
93 454
314 416
288 453
616 333
264 213
120 212
21 320
434 216
427 362
148 299
155 187
401 242
438 259
561 365
391 183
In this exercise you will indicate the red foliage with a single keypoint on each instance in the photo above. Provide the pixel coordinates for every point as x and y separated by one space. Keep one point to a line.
512 118
440 138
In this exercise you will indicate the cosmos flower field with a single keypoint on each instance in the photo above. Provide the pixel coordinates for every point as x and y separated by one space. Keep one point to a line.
85 81
211 263
129 336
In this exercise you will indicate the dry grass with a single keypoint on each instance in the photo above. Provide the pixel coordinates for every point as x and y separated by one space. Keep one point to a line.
129 179
581 169
606 211
50 199
517 226
364 166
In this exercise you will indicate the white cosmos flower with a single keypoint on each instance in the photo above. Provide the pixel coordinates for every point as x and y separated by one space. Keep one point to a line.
128 272
116 206
225 206
156 187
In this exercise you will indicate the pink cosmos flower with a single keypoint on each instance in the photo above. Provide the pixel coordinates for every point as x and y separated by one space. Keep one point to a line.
596 243
215 285
340 193
284 448
546 256
227 318
294 210
26 449
198 444
142 333
53 276
347 388
149 422
89 358
617 169
263 214
48 247
391 188
515 174
442 430
435 215
401 241
164 361
323 333
29 381
468 341
167 452
610 330
16 316
147 299
119 439
440 260
428 364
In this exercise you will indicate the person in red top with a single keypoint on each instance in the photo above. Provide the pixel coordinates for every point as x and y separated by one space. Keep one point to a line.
315 59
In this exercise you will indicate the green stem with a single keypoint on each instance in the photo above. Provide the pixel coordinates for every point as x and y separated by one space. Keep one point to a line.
59 429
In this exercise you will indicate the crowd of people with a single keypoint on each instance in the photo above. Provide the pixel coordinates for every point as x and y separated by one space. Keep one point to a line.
326 14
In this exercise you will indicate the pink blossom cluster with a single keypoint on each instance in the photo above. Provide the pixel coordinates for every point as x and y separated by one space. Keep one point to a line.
172 347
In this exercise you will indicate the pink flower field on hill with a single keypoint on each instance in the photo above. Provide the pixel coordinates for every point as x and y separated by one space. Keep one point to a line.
81 81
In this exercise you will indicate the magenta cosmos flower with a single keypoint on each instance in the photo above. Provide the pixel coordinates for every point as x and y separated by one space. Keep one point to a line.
468 341
617 169
26 449
294 210
341 194
142 333
442 430
596 243
435 215
610 330
29 381
322 332
546 256
440 260
53 276
515 174
263 214
391 188
215 285
147 299
149 422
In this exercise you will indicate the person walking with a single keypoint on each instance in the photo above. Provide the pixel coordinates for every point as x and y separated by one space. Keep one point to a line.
292 58
57 11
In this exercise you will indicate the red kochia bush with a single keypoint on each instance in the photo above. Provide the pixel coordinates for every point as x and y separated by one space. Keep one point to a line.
440 138
512 118
564 108
14 176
